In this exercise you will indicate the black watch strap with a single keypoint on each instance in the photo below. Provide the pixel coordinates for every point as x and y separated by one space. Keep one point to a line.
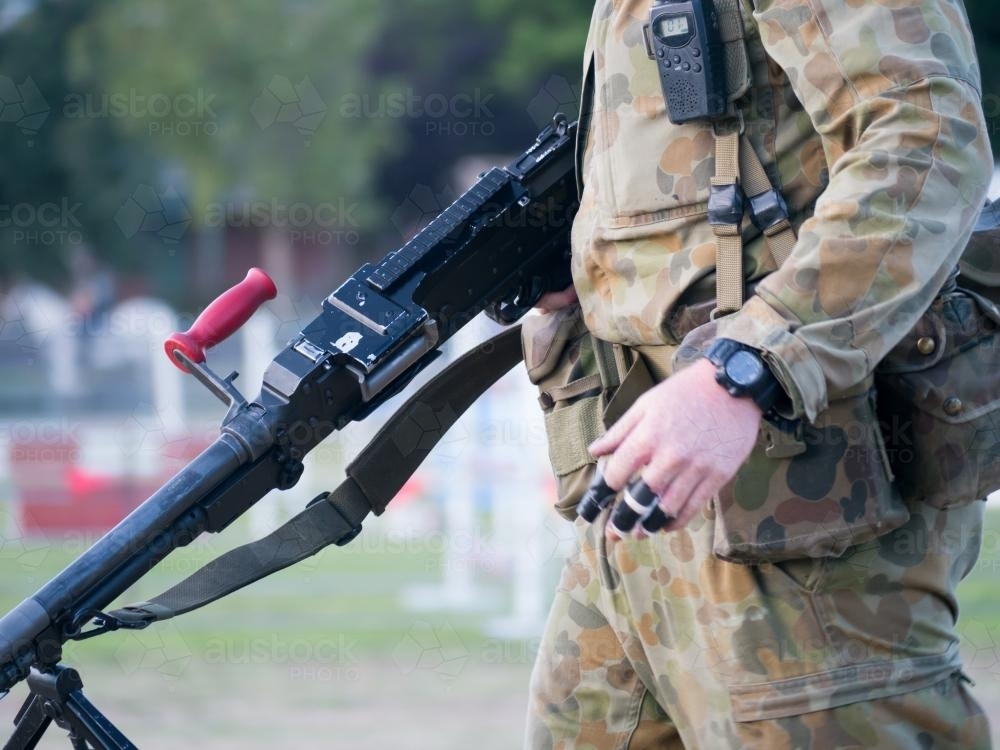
763 390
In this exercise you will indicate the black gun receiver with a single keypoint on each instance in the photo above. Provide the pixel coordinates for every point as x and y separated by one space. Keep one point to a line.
497 248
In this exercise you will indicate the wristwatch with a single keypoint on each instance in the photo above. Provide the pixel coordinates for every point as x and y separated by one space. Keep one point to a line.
741 371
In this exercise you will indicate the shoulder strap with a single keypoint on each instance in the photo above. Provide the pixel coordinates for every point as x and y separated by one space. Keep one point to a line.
740 175
373 479
725 214
767 206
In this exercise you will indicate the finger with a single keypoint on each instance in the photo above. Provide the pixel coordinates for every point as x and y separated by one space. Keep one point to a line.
611 439
699 498
628 457
622 521
655 518
556 300
679 491
661 470
596 498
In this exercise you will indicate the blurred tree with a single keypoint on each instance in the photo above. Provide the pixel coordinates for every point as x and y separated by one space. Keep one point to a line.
236 73
253 129
46 161
501 51
242 61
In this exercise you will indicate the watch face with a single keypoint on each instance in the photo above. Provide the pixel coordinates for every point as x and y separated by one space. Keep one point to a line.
744 369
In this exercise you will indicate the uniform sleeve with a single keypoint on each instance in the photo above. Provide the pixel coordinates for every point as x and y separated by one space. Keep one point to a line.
893 89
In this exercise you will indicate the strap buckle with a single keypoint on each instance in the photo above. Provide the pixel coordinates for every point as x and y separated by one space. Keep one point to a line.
783 437
726 205
768 211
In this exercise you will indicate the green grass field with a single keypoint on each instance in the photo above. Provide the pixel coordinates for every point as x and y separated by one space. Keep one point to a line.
326 654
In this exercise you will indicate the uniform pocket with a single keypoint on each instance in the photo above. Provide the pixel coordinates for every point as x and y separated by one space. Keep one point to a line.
940 403
814 492
559 356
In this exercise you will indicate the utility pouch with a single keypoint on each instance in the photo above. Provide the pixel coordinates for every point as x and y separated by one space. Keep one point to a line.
807 490
940 396
930 434
582 391
559 357
811 490
939 388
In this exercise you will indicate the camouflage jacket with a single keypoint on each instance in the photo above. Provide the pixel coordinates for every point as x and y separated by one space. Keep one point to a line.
866 115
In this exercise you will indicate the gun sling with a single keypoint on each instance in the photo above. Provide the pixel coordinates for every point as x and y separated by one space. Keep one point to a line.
374 477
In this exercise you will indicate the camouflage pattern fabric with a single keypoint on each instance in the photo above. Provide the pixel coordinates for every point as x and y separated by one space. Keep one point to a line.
657 643
939 399
866 116
834 625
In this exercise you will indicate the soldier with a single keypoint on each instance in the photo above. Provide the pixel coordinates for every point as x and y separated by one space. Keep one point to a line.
789 598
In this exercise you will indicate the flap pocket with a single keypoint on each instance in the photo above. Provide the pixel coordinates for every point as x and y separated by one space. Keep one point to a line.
559 356
870 680
546 337
815 493
940 404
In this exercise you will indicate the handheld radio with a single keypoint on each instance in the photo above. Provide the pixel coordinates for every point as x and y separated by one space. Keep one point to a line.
684 40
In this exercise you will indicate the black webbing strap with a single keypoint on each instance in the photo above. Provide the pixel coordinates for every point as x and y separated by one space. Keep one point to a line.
373 479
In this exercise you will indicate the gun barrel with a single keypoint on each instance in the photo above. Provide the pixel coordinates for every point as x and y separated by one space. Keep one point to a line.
168 519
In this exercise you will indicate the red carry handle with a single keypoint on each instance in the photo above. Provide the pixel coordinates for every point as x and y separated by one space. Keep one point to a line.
222 318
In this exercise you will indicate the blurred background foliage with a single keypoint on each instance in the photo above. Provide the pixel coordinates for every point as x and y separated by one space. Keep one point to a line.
78 51
351 50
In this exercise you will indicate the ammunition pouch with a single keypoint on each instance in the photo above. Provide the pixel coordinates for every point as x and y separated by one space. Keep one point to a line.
559 357
940 402
924 429
584 385
938 388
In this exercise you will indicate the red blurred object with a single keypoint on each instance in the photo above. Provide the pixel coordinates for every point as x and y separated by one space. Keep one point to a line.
55 494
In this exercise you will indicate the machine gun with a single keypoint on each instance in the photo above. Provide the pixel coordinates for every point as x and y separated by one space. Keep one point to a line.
497 248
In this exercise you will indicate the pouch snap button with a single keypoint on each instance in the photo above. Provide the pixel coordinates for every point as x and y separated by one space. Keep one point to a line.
953 406
926 345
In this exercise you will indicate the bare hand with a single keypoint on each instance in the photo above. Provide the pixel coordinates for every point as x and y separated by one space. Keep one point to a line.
557 300
686 437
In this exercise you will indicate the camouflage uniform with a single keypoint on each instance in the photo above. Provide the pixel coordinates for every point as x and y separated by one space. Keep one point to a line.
867 117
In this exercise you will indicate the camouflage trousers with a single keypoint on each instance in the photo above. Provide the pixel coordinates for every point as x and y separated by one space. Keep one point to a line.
657 643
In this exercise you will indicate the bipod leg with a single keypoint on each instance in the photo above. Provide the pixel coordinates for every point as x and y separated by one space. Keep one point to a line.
57 695
29 725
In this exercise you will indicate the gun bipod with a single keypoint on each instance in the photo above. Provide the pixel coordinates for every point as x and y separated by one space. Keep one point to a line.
56 695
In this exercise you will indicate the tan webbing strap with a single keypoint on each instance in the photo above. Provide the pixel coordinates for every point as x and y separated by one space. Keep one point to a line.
728 235
570 431
623 360
755 179
659 359
780 237
612 362
575 389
